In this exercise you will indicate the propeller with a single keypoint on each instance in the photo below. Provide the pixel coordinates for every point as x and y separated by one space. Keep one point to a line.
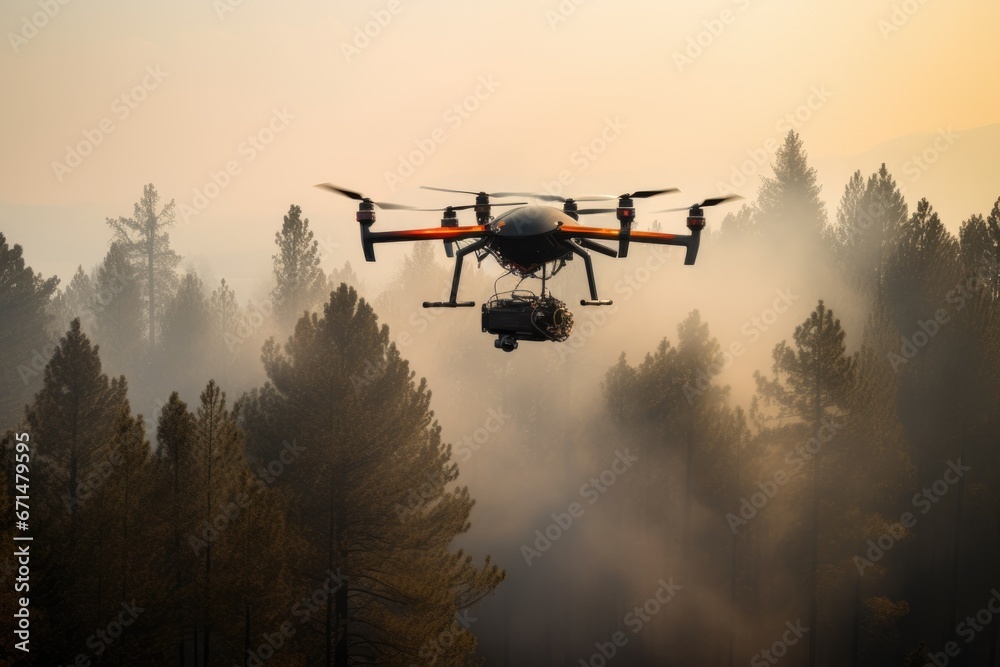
548 197
401 207
357 196
478 194
711 201
645 194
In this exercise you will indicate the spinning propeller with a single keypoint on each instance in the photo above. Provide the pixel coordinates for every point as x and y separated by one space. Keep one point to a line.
711 201
351 194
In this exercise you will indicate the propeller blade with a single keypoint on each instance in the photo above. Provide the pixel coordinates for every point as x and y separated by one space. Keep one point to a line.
592 211
548 197
341 191
712 201
645 194
461 192
357 196
719 200
465 207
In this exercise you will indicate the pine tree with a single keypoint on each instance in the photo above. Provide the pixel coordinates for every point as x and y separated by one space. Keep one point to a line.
24 297
789 210
685 427
868 221
71 417
72 427
127 570
217 454
175 465
119 311
186 331
980 248
355 487
922 267
146 241
299 280
77 300
810 390
227 323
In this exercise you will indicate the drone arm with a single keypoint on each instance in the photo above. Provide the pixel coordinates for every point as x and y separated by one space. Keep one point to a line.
690 242
370 238
597 247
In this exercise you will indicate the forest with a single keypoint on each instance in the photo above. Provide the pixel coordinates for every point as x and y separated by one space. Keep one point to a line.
802 469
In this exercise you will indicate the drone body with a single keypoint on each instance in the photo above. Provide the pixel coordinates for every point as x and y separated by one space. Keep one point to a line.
524 241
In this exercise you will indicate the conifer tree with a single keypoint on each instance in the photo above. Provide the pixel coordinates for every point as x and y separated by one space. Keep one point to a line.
789 211
869 218
147 243
368 449
810 390
78 299
71 418
299 281
118 289
24 300
217 455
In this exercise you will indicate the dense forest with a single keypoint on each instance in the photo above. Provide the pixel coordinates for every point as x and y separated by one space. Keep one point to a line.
266 479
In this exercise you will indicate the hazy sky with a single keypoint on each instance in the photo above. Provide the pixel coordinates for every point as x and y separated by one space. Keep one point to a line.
470 95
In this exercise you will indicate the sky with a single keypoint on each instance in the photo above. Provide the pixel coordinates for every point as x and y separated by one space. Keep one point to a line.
236 108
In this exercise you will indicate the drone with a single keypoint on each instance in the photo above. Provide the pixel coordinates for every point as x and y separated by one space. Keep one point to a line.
529 241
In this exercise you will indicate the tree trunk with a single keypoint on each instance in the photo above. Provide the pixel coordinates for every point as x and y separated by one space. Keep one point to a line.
150 284
814 574
856 641
734 616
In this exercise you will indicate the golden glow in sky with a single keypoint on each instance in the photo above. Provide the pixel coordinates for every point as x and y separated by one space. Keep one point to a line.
236 108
